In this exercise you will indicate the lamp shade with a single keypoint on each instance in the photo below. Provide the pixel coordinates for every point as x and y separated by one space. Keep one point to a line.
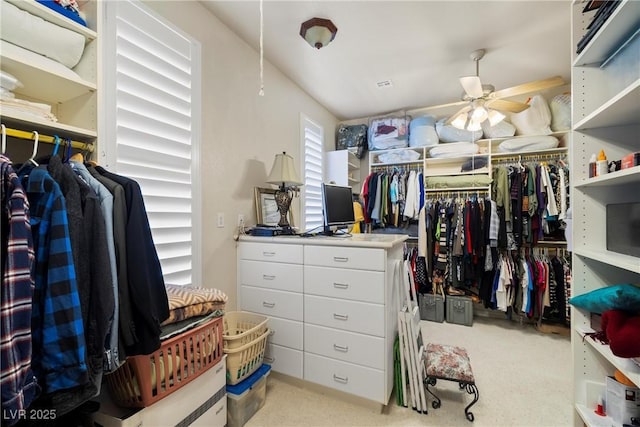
318 32
283 171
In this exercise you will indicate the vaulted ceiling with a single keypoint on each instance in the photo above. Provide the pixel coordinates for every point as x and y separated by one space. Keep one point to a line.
422 47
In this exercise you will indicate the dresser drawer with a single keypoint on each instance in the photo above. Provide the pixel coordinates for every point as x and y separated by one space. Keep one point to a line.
352 258
360 285
346 346
284 360
352 316
271 275
272 252
286 332
272 303
347 377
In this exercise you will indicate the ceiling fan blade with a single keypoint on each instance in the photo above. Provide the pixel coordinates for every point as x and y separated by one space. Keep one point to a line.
504 105
472 86
457 113
534 86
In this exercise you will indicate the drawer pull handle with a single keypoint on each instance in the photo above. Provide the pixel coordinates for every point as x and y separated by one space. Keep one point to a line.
268 277
341 348
268 304
219 409
218 370
270 359
342 380
268 253
340 316
340 259
341 285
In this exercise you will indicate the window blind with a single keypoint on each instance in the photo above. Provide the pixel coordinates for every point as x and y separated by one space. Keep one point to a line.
313 167
156 109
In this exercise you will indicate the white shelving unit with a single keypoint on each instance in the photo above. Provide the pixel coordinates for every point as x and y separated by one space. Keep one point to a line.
73 96
343 168
606 115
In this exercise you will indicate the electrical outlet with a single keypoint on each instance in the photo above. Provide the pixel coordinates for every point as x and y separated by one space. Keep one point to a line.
240 220
220 219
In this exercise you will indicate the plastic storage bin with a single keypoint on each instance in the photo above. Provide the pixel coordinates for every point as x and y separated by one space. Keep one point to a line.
145 379
245 341
431 307
247 397
459 310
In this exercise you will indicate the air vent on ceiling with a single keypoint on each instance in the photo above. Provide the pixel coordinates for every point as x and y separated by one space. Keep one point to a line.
384 83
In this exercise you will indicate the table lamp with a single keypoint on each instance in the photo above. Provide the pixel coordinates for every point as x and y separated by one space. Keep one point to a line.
284 175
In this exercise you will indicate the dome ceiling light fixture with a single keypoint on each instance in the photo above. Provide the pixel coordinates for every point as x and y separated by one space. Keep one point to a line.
318 32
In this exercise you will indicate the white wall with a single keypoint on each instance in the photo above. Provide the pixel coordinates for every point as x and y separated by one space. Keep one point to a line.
241 132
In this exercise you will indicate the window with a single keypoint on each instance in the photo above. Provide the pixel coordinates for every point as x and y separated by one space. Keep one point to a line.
312 167
152 81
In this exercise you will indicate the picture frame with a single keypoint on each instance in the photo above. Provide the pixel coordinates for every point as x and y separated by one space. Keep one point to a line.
266 208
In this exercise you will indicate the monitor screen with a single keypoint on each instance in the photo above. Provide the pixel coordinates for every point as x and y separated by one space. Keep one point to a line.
337 205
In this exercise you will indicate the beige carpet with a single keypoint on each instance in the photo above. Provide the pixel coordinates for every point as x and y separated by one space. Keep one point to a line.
524 378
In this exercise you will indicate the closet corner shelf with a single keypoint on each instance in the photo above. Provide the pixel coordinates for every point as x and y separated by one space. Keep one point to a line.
43 84
610 35
44 126
624 176
591 419
626 262
622 109
626 366
35 8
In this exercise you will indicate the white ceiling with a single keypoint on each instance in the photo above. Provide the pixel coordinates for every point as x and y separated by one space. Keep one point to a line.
423 47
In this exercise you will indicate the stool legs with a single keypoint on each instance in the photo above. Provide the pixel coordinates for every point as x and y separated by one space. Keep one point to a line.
468 387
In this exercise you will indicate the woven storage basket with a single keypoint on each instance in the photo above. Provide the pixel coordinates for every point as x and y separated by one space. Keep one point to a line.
145 379
241 328
245 360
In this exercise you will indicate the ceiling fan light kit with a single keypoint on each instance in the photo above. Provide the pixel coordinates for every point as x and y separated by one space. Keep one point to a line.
318 32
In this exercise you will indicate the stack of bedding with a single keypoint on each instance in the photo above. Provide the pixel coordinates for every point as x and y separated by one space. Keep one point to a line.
190 306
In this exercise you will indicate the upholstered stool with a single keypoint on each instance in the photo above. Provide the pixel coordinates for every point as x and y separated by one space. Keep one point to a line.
451 363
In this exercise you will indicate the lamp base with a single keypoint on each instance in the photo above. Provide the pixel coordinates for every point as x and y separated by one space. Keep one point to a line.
283 201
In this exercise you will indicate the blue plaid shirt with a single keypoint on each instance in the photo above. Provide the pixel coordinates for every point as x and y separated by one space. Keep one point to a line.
17 381
57 329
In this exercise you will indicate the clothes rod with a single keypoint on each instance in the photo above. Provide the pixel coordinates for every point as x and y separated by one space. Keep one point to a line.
16 133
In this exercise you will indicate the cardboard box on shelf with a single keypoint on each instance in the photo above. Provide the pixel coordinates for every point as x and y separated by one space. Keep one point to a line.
623 402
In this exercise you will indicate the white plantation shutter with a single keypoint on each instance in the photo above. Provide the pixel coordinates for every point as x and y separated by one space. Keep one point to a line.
312 140
155 82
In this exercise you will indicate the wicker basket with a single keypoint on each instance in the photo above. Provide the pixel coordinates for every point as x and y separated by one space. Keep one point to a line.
145 379
241 328
245 360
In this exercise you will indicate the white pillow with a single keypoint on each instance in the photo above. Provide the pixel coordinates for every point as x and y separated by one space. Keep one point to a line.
449 133
528 143
500 130
535 120
560 107
454 149
39 61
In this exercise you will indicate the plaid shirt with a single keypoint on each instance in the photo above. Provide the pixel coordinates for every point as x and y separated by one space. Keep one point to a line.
17 380
58 332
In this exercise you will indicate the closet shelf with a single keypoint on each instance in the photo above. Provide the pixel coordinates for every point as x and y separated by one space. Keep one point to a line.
626 366
626 262
610 35
408 162
621 177
622 109
591 419
481 171
558 150
35 8
44 126
44 84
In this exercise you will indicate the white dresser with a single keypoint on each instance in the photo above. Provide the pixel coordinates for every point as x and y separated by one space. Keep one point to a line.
332 305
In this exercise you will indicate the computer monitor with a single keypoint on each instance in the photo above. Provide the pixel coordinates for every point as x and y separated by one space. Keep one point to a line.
337 207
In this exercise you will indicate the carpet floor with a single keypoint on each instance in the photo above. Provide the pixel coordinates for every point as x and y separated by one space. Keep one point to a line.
524 378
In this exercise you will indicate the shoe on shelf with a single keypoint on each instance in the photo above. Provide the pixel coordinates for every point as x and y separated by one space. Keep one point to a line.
454 291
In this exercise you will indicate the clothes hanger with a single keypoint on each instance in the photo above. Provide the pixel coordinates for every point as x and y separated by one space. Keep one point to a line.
4 139
35 148
56 138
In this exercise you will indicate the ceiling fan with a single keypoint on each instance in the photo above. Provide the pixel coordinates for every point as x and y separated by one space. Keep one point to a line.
485 103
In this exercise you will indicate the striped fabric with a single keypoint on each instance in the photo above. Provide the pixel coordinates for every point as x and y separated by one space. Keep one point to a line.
58 332
191 301
16 380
